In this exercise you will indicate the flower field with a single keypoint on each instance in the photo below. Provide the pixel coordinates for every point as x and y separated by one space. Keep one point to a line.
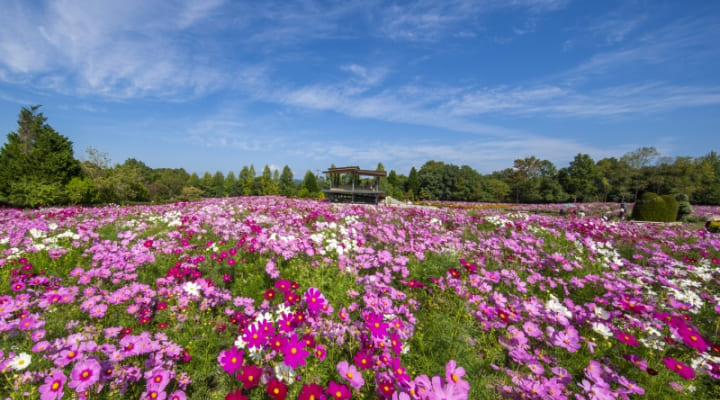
274 298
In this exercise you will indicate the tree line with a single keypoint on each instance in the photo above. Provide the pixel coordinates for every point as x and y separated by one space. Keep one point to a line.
38 167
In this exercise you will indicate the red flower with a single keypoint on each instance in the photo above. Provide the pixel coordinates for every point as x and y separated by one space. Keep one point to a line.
250 376
276 389
236 395
312 391
386 388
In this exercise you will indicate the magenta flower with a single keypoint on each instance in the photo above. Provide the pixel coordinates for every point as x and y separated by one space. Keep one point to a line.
311 391
683 370
375 324
231 360
626 338
351 374
314 300
250 376
53 387
294 352
84 374
338 391
363 360
255 336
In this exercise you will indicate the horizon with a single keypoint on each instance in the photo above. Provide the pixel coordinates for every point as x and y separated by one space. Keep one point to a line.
216 85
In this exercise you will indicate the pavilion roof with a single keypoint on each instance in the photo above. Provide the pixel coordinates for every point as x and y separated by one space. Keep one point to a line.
355 170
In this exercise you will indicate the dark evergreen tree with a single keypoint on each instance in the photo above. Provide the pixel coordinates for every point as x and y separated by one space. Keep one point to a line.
36 162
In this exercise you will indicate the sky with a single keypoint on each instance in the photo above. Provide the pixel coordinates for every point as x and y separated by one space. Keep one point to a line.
214 85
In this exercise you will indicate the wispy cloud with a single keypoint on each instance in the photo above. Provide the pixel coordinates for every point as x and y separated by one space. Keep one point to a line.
119 50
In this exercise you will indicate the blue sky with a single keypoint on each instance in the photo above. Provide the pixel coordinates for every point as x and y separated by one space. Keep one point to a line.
212 85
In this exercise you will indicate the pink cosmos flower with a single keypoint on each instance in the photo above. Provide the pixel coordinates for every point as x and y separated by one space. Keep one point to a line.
236 395
338 391
294 352
351 374
276 389
250 376
53 387
231 360
157 379
313 391
177 395
314 300
375 324
84 374
626 338
683 370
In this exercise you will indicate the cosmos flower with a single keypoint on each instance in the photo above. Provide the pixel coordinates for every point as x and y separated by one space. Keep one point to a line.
53 387
84 374
231 360
276 389
685 371
350 373
311 391
20 361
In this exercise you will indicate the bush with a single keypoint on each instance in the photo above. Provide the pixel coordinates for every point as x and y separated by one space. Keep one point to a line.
684 208
651 207
713 226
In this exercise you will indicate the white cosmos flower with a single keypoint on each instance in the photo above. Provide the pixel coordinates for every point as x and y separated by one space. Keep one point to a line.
192 288
602 329
20 362
284 373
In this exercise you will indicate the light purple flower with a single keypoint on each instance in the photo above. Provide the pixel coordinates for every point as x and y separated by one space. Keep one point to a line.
351 374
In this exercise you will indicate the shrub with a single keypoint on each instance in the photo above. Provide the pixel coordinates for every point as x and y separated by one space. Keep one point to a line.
651 207
671 208
684 208
713 226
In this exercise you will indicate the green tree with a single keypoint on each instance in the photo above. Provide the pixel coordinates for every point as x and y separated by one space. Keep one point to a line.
218 184
309 187
579 178
266 182
412 185
206 185
232 186
36 162
287 185
168 183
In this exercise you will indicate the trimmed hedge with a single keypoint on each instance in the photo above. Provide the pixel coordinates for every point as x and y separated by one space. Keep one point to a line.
651 207
684 207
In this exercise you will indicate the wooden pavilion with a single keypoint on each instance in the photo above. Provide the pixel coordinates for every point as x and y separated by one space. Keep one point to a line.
347 186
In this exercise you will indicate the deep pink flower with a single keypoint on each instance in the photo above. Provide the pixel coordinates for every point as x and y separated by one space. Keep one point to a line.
276 389
314 300
626 338
294 352
363 360
374 322
312 391
231 360
338 391
53 387
250 376
236 395
683 370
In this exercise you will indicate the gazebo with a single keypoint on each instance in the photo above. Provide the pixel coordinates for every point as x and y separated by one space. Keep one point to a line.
357 190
